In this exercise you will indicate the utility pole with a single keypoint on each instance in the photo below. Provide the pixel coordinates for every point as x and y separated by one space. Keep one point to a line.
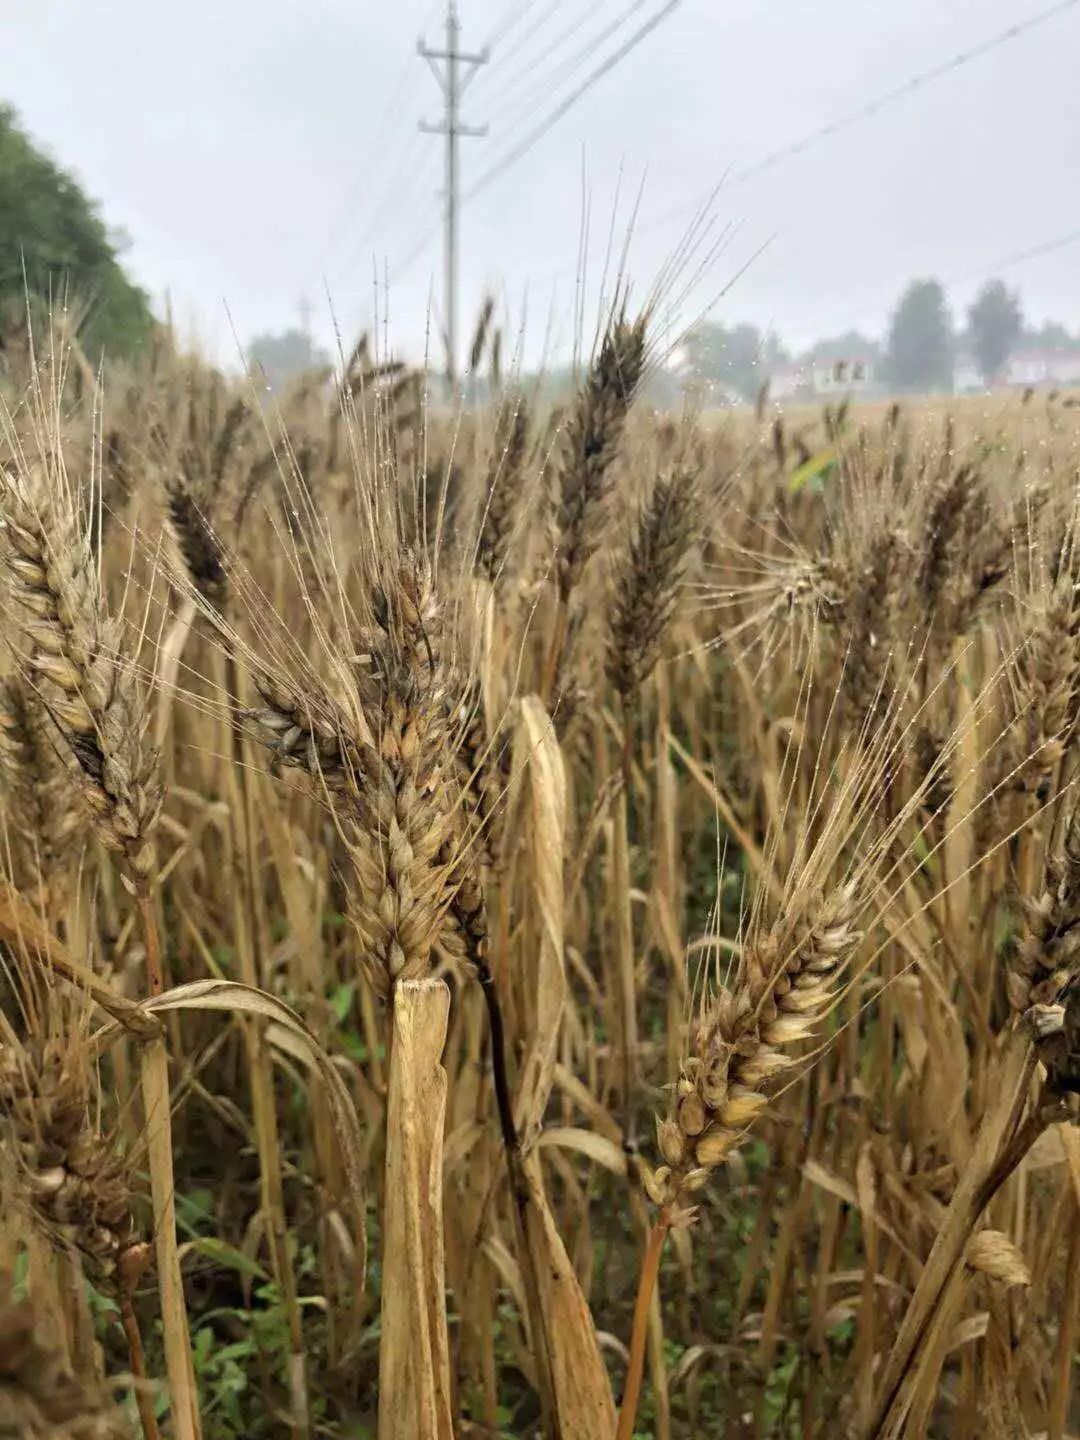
453 69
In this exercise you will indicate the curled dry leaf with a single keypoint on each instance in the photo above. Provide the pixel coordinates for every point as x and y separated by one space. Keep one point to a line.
237 999
994 1254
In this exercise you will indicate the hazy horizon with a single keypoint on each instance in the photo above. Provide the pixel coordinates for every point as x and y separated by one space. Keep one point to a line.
270 152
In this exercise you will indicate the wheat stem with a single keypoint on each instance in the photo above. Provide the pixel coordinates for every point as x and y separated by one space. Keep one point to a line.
154 1062
144 1399
635 1369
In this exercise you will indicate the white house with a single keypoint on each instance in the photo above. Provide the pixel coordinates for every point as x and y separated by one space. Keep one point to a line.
1043 367
808 379
851 376
1037 366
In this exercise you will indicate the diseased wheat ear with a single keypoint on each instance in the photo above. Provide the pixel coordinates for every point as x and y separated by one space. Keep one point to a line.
869 631
199 545
39 1398
1047 676
303 727
1047 960
400 820
45 820
76 1181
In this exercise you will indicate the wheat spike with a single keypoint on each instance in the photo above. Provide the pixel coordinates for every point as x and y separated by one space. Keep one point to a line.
45 821
648 578
502 498
1047 959
869 614
590 444
199 546
400 820
741 1038
76 651
303 727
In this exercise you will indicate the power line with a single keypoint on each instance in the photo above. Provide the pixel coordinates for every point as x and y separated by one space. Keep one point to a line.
376 157
422 240
1036 252
873 107
511 84
517 14
900 92
777 157
861 112
409 161
391 191
539 131
534 29
372 160
535 95
400 194
871 310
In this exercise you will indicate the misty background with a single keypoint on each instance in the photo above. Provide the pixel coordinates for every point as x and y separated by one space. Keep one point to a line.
260 156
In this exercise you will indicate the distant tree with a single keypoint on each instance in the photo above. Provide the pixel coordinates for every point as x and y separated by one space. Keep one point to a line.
739 358
919 347
994 326
283 357
54 243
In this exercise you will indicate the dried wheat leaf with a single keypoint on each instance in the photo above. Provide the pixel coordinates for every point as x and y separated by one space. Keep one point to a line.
973 1328
824 1179
414 1348
546 782
582 1393
586 1142
460 1144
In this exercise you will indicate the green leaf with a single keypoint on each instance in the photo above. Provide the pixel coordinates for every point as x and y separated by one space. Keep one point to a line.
194 1210
225 958
353 1046
812 469
341 1001
224 1254
238 1350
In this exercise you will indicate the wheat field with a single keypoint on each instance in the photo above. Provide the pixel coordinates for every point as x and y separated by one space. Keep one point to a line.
524 921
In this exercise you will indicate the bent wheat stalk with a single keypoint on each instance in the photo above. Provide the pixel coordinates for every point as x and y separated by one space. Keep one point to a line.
967 1204
785 984
1044 972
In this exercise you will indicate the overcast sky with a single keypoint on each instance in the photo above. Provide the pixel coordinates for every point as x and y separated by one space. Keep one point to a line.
260 151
